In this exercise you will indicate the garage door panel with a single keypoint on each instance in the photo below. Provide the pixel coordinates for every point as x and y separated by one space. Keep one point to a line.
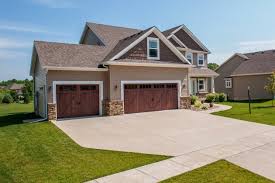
150 97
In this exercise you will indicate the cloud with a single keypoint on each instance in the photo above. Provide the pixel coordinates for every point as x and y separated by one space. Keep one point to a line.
10 43
56 3
30 29
8 55
252 46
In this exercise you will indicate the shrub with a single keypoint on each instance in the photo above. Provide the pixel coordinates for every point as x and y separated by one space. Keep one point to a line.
217 95
26 96
1 97
222 97
198 104
204 107
194 98
7 99
211 97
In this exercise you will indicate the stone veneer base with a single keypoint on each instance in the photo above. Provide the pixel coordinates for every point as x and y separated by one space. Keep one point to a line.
52 113
185 102
113 107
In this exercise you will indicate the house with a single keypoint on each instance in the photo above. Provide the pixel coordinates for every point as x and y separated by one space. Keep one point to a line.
17 88
241 71
116 70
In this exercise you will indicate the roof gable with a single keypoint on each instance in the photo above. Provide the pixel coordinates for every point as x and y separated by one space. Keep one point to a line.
127 44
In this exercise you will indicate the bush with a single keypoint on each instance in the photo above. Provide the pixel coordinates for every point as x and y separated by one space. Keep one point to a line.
26 96
198 104
1 97
193 99
7 99
216 97
211 97
222 97
204 107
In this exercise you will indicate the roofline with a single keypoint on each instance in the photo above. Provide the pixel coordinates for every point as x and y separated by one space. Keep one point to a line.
175 38
161 36
183 27
203 75
83 33
251 74
147 64
33 61
236 54
53 68
191 50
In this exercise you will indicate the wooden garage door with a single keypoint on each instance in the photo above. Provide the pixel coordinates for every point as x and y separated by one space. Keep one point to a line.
150 97
77 100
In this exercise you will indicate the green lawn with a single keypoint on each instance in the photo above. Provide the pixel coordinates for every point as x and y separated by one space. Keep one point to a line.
219 172
40 152
262 112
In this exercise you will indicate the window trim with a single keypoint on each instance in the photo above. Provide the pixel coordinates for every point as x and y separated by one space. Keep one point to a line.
148 48
198 58
226 81
189 53
204 85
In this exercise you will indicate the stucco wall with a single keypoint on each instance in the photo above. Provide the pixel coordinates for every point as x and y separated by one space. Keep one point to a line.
256 84
77 76
39 90
120 73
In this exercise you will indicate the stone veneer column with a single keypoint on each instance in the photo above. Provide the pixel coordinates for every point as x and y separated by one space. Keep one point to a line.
113 107
185 102
52 112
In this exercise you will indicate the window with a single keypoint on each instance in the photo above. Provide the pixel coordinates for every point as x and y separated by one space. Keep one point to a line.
228 83
189 57
200 60
201 84
153 48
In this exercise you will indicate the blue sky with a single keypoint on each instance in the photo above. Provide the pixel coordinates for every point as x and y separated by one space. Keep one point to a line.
223 26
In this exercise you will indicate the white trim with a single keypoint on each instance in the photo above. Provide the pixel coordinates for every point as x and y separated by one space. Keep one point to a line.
147 64
122 83
191 50
204 85
178 41
198 58
228 82
75 68
100 83
186 55
148 48
252 74
161 37
236 54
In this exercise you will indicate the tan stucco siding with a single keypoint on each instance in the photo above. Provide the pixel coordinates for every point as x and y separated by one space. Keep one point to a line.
39 90
225 71
256 84
77 76
124 73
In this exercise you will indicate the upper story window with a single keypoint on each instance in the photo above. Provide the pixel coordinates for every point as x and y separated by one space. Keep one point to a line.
189 57
228 82
201 84
200 60
153 48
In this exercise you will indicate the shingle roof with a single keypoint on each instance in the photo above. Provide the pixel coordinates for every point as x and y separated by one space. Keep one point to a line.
15 86
202 71
69 55
149 61
169 31
258 62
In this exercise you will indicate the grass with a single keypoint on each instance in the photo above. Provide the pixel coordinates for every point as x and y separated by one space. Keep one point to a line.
262 111
40 152
219 172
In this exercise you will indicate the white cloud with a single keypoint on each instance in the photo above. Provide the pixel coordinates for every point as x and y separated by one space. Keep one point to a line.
252 46
56 3
8 55
219 58
10 43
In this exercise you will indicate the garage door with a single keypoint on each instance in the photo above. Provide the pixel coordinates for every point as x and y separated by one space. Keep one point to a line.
150 97
77 100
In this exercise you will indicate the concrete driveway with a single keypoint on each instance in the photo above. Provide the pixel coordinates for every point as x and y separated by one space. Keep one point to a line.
173 132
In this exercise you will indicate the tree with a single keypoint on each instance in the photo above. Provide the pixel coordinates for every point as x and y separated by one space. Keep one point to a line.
26 96
212 66
270 86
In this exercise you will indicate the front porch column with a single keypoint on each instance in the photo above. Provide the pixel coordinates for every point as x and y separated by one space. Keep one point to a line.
212 85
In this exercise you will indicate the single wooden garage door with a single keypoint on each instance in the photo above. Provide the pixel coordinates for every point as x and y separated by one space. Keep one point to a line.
150 97
77 100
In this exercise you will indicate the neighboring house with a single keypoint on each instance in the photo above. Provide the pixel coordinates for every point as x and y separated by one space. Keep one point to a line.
116 70
241 71
18 88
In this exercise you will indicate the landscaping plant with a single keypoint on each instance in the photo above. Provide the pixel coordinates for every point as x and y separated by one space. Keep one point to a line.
7 99
270 86
194 98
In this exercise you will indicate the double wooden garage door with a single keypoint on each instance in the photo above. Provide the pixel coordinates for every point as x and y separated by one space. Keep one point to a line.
77 100
150 97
